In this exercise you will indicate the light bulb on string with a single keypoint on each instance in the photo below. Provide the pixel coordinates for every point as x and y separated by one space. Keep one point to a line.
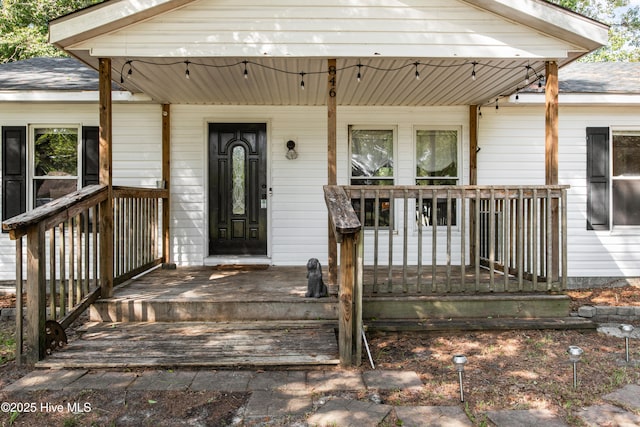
497 106
187 74
526 79
302 80
473 71
359 77
417 72
246 72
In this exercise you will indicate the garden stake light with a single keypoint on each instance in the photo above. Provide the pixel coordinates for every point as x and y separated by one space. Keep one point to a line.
626 332
459 360
575 353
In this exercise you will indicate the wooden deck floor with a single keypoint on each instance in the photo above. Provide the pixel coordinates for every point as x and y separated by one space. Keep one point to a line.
199 344
256 317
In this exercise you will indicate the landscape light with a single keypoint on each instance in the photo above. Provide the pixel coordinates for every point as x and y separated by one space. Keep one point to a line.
575 353
459 360
626 332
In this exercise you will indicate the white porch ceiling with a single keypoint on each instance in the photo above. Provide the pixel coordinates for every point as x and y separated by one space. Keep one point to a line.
276 81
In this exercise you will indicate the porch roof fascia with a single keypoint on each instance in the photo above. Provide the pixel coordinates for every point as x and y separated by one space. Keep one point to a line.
105 17
71 96
563 23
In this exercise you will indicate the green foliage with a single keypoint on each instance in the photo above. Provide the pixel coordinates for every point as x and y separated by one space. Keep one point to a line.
624 32
24 26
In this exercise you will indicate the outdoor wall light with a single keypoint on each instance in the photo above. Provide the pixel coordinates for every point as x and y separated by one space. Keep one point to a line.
575 353
291 150
626 333
459 360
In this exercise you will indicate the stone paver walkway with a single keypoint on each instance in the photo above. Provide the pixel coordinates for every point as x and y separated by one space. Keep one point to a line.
325 397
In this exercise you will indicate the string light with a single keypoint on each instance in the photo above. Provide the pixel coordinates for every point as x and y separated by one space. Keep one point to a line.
244 63
497 106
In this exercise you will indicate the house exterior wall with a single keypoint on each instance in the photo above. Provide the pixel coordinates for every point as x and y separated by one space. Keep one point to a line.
297 211
137 142
512 150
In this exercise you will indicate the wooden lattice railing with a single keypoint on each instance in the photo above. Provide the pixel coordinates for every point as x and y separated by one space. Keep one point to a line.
63 255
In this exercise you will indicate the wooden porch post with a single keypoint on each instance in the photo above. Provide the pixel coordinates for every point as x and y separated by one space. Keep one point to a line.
551 159
473 176
332 163
166 178
36 294
106 169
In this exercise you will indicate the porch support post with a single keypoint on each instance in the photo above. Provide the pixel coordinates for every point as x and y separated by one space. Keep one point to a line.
36 294
473 176
332 163
551 161
166 178
106 169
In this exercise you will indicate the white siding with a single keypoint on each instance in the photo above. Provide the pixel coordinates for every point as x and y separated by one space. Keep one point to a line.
346 28
512 142
137 141
298 218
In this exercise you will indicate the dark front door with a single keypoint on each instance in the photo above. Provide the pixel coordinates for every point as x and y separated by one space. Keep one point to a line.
237 189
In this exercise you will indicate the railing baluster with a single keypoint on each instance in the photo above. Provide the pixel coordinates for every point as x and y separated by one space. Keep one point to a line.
477 239
434 240
448 241
390 258
506 222
492 239
534 243
463 240
71 267
19 302
376 245
52 273
79 281
405 241
87 252
419 223
564 209
549 240
94 232
520 237
64 302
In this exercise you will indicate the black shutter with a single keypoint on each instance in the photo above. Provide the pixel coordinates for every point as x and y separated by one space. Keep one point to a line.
90 155
598 179
14 171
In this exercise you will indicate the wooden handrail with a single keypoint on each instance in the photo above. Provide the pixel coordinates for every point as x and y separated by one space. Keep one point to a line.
343 217
56 211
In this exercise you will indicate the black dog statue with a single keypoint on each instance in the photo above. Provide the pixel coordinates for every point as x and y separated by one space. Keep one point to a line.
315 285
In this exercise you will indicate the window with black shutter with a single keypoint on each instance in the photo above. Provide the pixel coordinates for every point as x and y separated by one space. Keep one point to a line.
14 171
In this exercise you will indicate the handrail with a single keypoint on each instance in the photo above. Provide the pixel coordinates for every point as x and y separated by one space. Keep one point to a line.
67 206
64 258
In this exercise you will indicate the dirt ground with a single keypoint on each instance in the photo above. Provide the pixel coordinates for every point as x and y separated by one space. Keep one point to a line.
506 370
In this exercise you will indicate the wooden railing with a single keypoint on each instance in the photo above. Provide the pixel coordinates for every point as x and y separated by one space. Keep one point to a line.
63 255
419 240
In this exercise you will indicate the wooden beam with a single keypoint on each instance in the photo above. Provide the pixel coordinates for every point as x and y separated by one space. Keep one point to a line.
551 161
36 294
473 174
331 161
166 178
106 176
345 303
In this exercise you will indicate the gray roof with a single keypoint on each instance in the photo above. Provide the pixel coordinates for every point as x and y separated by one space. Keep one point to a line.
600 77
60 74
70 74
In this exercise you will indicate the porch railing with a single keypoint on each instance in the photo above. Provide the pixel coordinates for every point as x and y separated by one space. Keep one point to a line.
63 256
421 240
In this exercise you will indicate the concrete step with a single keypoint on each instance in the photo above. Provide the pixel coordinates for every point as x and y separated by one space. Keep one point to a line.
206 310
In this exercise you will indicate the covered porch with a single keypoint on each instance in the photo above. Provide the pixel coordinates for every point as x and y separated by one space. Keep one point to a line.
191 53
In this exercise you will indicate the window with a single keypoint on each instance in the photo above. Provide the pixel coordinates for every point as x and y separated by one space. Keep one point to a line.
46 162
436 164
625 178
372 153
613 178
54 162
